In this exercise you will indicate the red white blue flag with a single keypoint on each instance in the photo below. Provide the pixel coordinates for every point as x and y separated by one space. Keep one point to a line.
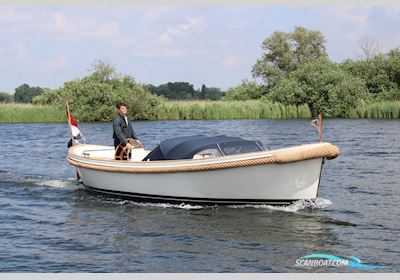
75 132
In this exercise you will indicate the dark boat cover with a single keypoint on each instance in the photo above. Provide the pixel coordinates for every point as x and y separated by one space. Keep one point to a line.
186 147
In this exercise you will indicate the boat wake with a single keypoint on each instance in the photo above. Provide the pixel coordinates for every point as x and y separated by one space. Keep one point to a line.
56 183
35 180
183 206
319 203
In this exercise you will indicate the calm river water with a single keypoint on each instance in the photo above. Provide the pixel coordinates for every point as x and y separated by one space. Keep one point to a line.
49 223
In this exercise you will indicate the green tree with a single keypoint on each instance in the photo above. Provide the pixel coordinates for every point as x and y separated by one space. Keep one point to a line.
323 86
202 93
5 97
245 91
381 74
151 88
24 93
286 51
93 98
185 91
176 91
102 71
209 93
393 65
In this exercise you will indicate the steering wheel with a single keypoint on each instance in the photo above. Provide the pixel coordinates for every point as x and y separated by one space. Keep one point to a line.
124 153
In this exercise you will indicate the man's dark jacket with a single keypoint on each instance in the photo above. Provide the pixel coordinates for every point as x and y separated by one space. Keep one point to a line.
122 131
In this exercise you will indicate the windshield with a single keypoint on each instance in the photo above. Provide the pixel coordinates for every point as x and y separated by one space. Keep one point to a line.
232 148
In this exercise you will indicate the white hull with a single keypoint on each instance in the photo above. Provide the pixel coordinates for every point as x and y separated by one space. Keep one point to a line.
254 184
271 183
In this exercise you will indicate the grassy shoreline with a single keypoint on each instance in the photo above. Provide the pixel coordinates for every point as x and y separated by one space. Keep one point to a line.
28 113
203 110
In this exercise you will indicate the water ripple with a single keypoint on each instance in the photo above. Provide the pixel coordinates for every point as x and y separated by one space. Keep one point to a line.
49 223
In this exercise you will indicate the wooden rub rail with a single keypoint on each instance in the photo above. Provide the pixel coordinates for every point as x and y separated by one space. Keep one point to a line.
305 152
326 150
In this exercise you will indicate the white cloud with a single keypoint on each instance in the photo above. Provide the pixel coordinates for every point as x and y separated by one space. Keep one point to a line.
392 12
350 15
161 40
76 29
151 51
174 53
14 53
156 13
174 31
57 64
11 15
108 31
123 42
232 61
343 28
59 23
21 53
18 56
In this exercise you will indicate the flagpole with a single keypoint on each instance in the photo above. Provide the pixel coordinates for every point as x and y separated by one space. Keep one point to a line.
320 127
72 134
69 121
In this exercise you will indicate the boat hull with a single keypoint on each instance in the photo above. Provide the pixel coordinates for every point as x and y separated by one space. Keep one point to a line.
258 184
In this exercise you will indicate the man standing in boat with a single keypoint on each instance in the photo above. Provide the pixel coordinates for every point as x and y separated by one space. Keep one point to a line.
123 132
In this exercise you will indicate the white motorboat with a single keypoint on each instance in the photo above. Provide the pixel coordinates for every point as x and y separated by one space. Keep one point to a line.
205 170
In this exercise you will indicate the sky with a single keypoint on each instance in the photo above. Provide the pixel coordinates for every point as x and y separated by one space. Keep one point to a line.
45 46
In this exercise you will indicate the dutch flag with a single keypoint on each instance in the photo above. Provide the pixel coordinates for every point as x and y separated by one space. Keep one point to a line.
73 124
